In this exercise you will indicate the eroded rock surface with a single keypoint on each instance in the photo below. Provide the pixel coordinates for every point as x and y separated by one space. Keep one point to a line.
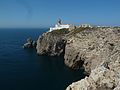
52 43
90 47
102 77
100 51
97 50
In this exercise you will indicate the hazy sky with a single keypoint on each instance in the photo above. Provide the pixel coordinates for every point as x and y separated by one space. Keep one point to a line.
37 13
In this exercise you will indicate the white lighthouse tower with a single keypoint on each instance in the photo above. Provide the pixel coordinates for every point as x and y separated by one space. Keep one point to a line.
59 26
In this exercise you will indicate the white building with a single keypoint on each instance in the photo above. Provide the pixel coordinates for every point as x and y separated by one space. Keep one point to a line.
86 25
59 26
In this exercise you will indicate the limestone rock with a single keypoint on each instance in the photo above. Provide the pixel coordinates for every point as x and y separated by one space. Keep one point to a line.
52 43
89 47
101 78
100 51
97 50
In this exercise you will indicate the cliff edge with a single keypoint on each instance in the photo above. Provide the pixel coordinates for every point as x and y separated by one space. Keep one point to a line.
52 43
99 51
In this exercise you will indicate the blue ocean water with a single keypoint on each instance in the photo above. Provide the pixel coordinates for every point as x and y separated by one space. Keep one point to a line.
23 69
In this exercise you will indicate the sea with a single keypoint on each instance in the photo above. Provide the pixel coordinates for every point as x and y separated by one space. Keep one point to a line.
23 69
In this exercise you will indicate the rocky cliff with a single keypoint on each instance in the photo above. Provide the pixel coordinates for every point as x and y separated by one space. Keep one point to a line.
52 43
97 50
90 47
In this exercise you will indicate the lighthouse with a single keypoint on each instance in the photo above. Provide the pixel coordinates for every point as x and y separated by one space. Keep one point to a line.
59 26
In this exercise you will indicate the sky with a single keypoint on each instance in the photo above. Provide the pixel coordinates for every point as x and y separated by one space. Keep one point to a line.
44 13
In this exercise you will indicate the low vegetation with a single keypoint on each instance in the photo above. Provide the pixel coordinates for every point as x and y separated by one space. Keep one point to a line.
78 30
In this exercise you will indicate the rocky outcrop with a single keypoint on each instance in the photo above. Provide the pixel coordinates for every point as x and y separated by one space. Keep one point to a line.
30 43
99 52
52 43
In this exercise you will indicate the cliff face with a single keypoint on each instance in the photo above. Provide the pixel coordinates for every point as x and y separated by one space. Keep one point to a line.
99 50
89 47
101 78
52 43
105 76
